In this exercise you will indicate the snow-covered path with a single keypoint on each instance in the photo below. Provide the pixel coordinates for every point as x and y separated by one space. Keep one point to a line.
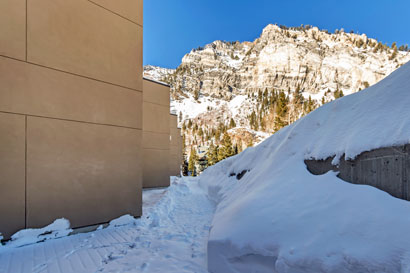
170 237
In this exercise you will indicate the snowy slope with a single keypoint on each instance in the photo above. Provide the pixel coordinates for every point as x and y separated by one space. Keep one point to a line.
281 218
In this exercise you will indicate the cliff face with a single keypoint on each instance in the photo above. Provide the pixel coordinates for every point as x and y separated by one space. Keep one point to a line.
283 59
219 82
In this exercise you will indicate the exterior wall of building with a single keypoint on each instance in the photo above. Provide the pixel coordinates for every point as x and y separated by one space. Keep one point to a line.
387 169
175 152
70 111
156 134
179 151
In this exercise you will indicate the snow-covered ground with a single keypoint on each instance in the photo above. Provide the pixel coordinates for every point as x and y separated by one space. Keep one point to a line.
281 218
170 237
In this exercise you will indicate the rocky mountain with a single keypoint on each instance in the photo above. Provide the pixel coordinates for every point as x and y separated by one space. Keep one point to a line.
157 73
225 81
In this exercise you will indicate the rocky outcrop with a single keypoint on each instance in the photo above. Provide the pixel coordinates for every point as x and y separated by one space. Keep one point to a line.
285 58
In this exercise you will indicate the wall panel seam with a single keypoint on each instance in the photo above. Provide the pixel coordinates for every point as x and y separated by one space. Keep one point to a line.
86 77
73 120
26 28
113 12
73 74
155 149
159 104
25 174
145 131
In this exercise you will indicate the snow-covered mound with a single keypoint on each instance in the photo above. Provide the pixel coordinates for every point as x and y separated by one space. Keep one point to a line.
58 229
280 218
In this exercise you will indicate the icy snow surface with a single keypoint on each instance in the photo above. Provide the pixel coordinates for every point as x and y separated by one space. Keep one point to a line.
281 218
170 237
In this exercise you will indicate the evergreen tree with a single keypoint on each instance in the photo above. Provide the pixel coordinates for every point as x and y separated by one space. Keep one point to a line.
323 100
232 123
212 154
235 150
281 112
338 94
310 105
226 149
394 54
185 168
298 98
192 161
378 47
253 121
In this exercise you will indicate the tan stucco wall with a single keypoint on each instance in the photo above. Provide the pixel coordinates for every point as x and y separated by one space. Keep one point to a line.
12 170
179 151
80 37
13 28
156 134
81 171
70 111
175 142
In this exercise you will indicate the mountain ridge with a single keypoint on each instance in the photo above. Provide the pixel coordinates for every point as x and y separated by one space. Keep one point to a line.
241 81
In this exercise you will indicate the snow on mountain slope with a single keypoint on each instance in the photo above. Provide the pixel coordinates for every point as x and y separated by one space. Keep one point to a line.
281 218
157 73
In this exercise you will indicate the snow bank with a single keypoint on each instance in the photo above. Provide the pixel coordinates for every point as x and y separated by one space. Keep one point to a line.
124 220
281 218
59 228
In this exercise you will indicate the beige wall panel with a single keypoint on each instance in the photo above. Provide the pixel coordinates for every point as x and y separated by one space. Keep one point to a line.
12 173
84 172
34 90
174 166
130 9
13 28
179 150
80 37
155 118
173 121
156 172
156 93
153 140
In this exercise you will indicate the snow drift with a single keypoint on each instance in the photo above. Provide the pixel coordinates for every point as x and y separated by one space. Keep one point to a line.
58 229
278 217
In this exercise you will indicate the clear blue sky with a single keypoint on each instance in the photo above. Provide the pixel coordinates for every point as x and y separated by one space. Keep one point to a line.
173 27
